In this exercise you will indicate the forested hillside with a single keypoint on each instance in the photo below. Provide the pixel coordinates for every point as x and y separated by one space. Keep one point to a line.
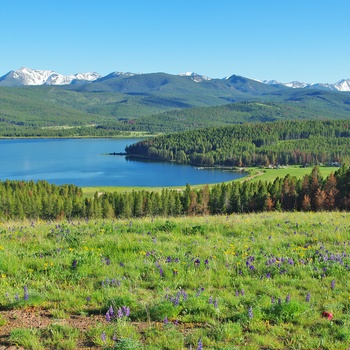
156 103
287 142
32 200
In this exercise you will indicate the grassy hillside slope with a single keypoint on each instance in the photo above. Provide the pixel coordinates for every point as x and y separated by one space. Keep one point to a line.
272 280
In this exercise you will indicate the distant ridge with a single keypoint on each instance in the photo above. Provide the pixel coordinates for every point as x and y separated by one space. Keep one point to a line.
29 77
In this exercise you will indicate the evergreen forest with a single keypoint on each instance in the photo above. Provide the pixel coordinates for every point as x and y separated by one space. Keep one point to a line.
252 144
41 200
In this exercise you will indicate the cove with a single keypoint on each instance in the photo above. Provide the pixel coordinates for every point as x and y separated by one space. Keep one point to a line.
84 162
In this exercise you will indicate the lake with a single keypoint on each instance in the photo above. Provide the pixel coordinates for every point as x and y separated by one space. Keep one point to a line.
84 162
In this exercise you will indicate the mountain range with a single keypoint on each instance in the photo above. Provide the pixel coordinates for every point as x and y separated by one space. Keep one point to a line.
34 101
32 77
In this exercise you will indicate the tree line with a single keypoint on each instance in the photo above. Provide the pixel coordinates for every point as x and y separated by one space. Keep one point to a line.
252 144
41 200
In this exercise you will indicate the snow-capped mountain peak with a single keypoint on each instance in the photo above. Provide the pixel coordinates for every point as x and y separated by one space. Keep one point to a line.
342 85
28 76
194 76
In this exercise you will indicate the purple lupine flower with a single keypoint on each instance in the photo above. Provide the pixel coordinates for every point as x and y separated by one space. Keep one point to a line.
103 336
308 297
74 264
216 303
197 262
273 300
237 293
333 284
120 313
200 345
114 338
210 300
160 272
88 299
288 298
108 316
126 311
26 295
206 262
250 312
166 321
111 311
16 297
242 291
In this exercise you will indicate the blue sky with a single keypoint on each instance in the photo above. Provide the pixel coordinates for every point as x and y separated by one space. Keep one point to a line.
305 40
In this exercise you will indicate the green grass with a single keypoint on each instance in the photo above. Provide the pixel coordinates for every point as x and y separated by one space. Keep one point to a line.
299 172
202 274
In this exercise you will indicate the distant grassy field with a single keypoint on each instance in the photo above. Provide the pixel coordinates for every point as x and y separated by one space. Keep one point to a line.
270 175
262 281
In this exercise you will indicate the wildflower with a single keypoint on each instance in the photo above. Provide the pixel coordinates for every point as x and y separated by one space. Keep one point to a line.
166 321
242 291
333 284
250 312
111 311
288 298
108 316
120 313
103 336
88 299
16 297
74 263
200 345
216 303
126 311
26 295
210 300
308 296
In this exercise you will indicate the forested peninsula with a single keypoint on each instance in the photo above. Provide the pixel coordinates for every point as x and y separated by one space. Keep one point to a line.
252 144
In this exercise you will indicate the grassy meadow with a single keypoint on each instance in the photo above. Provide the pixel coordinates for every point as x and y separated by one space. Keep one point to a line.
258 281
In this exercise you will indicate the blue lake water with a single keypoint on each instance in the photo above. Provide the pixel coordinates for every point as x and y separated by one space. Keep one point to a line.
84 162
